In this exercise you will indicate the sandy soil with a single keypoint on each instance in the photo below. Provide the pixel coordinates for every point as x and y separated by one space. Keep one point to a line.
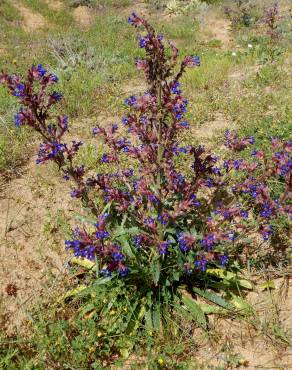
31 20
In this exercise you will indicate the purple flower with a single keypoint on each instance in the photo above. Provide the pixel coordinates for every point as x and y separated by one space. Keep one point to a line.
266 232
163 247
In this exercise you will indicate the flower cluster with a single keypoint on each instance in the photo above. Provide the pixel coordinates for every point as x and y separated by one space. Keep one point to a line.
154 213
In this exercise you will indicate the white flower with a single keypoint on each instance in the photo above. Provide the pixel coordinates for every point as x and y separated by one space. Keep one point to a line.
233 54
249 46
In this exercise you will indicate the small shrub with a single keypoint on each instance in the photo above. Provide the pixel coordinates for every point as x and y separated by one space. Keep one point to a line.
155 235
88 3
240 13
271 19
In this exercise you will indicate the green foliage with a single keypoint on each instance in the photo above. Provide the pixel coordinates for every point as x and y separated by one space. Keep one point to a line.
89 3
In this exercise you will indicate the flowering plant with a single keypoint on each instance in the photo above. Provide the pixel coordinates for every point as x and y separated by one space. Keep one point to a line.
157 226
240 13
271 19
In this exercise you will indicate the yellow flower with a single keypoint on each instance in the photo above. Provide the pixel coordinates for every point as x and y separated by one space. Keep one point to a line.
14 61
92 349
160 361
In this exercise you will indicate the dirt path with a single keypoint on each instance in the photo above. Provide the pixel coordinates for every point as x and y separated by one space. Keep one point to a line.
31 20
84 17
54 4
31 247
217 28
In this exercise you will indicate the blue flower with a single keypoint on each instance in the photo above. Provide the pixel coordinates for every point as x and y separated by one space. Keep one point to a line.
223 260
104 158
19 90
131 100
95 130
74 193
125 120
41 70
137 240
117 256
54 78
184 124
201 264
102 234
123 271
209 182
163 247
132 18
162 219
56 96
243 213
266 211
18 119
175 88
105 272
196 60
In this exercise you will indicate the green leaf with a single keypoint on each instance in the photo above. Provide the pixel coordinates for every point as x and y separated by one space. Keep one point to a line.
83 262
194 308
247 240
230 276
213 297
269 284
245 284
148 319
208 309
135 319
127 249
156 271
74 292
124 231
222 273
85 219
156 317
176 275
124 353
241 304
